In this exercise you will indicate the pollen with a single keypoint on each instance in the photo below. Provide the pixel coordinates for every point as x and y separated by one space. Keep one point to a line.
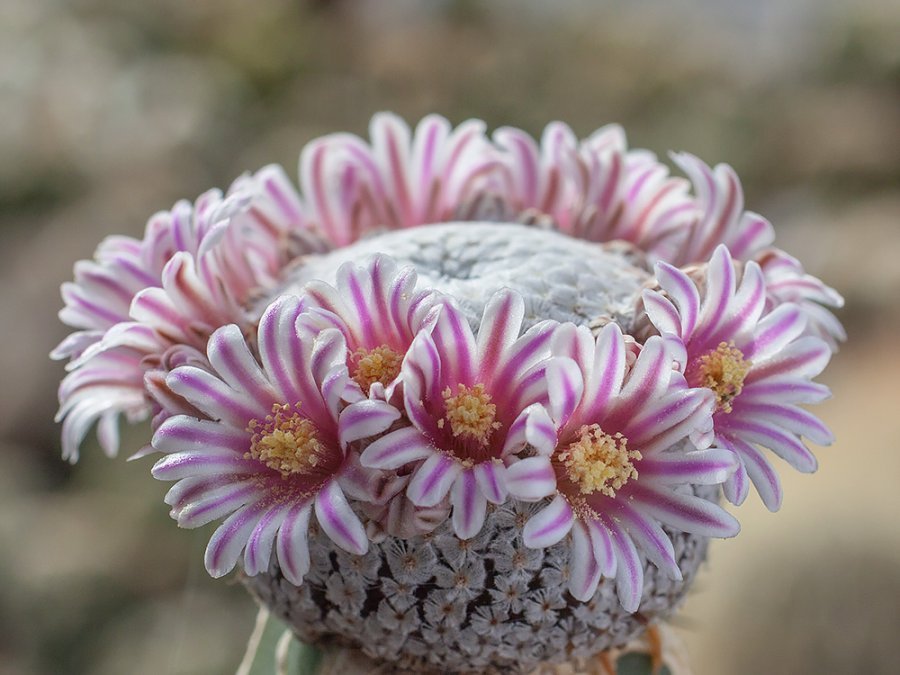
470 413
285 441
723 370
368 366
599 462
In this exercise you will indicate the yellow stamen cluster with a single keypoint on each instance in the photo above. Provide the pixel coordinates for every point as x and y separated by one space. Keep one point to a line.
470 413
598 462
723 370
381 364
285 441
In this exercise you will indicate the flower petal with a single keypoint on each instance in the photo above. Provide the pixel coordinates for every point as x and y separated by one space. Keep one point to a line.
684 295
500 325
491 478
583 566
258 551
565 387
760 471
652 540
531 479
230 356
685 512
469 506
431 481
338 520
396 449
292 546
697 467
549 525
629 569
229 539
365 419
661 312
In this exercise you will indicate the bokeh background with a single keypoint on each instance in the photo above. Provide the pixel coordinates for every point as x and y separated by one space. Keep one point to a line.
112 109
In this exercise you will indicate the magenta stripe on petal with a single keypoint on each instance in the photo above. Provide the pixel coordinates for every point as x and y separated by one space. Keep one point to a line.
761 472
215 398
258 550
229 539
785 445
338 520
491 477
469 506
396 449
791 418
698 467
211 505
500 324
549 525
531 478
365 419
661 312
209 462
431 482
683 292
629 569
292 546
583 567
647 534
685 512
737 487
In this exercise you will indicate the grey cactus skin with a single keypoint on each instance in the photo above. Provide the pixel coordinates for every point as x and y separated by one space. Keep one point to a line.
433 603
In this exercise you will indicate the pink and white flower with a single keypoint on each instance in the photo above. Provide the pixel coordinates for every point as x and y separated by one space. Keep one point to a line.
272 447
787 281
720 216
759 363
473 404
379 312
595 189
618 471
194 271
400 179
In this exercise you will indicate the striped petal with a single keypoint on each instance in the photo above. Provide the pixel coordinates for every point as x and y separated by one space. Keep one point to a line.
661 312
650 538
549 525
469 505
737 487
258 550
491 479
337 519
229 540
584 569
432 481
365 419
292 545
629 569
685 512
500 325
565 387
397 449
776 331
531 479
683 293
760 471
698 467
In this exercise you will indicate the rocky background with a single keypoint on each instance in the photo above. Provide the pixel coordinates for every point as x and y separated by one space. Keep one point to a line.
112 109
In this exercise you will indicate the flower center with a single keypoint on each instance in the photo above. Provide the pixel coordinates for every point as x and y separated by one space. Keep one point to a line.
381 364
470 413
285 441
723 370
598 462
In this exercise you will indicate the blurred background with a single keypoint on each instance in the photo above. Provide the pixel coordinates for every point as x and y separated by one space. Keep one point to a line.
113 109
